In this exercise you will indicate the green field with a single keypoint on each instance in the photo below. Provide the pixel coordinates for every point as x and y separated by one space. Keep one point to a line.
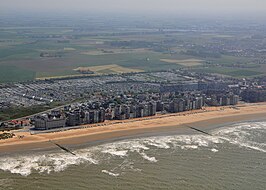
238 73
13 74
21 50
17 112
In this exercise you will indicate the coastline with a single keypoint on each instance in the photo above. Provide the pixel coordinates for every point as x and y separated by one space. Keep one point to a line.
169 123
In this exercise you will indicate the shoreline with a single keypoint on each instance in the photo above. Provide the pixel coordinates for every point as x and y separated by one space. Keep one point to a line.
161 124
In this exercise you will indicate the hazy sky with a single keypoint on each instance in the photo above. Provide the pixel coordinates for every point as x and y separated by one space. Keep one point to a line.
160 6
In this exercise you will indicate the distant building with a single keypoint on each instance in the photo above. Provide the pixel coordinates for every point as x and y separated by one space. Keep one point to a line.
234 99
45 122
152 108
160 106
254 95
102 115
73 118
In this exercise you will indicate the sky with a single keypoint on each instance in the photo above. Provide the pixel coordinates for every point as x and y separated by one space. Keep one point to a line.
137 6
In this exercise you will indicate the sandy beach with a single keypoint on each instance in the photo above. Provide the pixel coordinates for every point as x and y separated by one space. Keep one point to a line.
126 128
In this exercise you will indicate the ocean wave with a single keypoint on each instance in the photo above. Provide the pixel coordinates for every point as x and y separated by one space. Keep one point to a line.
214 150
114 152
110 173
146 157
189 147
24 165
248 135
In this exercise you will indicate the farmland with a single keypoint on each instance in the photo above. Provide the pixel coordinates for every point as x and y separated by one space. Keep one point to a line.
106 69
32 52
185 62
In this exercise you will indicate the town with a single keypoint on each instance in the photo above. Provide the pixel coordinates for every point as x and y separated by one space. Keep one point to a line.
125 96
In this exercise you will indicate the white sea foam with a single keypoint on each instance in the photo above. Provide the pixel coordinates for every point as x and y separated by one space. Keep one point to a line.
214 150
115 152
159 142
110 173
245 135
248 135
146 157
24 165
189 147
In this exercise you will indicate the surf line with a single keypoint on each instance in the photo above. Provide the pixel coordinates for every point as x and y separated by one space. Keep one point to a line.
63 148
201 131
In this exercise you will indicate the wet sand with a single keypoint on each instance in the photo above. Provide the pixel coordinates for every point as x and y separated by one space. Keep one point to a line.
169 123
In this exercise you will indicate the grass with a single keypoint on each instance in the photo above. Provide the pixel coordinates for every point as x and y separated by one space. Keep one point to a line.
229 60
12 53
14 74
55 74
244 73
233 72
18 112
13 113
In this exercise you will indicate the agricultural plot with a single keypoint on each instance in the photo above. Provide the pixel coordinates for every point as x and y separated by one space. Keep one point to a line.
28 53
107 69
14 74
185 62
233 72
115 51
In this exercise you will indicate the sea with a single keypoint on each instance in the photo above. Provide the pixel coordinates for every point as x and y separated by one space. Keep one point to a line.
231 157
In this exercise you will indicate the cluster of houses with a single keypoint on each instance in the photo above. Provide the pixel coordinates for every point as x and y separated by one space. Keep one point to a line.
127 107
